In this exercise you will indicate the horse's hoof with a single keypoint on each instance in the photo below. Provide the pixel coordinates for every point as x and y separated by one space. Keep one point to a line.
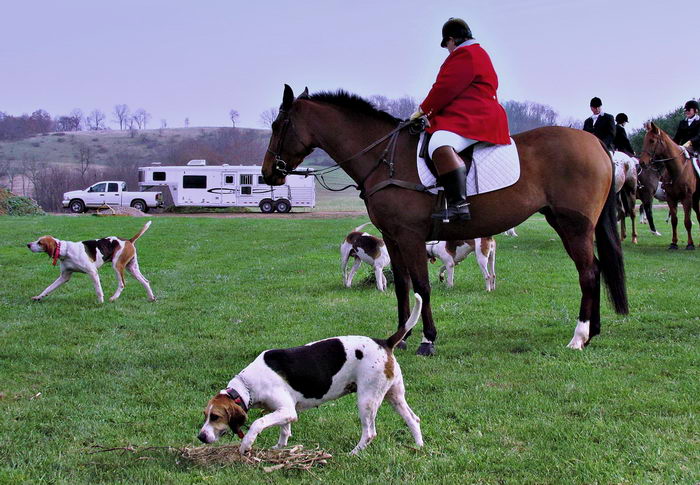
401 345
426 349
672 247
690 247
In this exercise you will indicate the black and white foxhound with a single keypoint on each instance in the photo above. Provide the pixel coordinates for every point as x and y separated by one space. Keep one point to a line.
287 381
451 253
364 247
88 256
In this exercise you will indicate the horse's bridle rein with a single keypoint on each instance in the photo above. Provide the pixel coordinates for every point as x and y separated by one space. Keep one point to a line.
280 165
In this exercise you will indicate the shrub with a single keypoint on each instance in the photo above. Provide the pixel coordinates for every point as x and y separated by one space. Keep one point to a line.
15 205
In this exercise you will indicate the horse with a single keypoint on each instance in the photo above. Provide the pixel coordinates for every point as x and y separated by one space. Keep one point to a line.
648 180
679 180
626 188
566 174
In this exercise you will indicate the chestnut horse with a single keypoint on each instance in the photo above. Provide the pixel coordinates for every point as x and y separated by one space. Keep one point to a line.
679 180
566 175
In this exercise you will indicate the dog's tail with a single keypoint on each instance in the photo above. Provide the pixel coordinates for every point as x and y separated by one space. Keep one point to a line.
143 230
410 323
359 228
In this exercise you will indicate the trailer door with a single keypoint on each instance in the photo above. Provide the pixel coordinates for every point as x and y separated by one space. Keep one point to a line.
228 188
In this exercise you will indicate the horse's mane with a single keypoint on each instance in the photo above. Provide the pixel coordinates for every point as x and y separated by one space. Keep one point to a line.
354 103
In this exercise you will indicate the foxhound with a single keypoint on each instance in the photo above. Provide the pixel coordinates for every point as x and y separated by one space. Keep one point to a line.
364 247
88 256
451 253
287 381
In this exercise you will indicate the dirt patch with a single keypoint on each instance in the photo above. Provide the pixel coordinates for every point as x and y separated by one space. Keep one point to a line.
249 215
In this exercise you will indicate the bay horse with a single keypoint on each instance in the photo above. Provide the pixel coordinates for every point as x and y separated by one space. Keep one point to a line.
679 180
648 180
626 188
566 174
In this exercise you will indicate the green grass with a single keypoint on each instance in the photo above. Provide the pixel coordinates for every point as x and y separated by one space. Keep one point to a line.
503 401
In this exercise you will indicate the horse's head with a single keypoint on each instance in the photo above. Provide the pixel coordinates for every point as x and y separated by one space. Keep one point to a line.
655 144
290 142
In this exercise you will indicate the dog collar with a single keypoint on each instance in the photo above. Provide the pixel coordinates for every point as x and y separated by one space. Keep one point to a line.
57 253
233 394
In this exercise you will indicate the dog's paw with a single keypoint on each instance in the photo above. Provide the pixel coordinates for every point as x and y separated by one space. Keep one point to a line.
36 298
153 298
244 448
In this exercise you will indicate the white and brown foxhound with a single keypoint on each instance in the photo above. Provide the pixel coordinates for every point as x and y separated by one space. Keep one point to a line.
364 247
88 256
451 253
287 381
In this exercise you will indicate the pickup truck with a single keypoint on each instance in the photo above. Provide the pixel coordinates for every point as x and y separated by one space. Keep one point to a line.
110 192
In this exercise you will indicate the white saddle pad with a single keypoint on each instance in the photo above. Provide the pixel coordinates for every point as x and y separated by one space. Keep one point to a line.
494 167
696 165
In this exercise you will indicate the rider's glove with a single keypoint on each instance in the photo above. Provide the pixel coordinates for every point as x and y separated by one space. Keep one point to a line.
417 114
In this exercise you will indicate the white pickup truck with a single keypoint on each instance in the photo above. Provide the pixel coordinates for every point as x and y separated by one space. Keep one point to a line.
110 192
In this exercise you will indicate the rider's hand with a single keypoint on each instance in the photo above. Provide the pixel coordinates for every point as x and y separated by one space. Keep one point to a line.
417 114
688 144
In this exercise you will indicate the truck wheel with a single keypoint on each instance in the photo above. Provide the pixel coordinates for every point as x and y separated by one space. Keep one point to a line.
77 206
283 206
139 204
267 206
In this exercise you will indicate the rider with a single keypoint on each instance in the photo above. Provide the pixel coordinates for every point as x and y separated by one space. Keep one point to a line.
462 109
601 124
622 143
688 132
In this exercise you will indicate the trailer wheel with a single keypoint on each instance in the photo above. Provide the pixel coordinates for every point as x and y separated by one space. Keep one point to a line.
267 206
77 206
283 206
140 205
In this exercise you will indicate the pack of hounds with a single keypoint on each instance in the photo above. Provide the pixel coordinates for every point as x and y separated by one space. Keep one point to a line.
285 382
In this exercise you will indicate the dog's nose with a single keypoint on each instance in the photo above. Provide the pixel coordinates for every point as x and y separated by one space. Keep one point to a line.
202 437
29 245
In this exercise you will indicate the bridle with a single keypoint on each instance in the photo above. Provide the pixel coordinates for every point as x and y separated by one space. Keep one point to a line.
387 157
659 161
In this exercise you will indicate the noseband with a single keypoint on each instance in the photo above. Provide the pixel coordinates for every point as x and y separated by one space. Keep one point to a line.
280 165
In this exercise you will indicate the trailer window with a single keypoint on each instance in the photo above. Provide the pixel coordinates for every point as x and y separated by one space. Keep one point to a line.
194 181
228 179
245 190
261 180
247 179
160 176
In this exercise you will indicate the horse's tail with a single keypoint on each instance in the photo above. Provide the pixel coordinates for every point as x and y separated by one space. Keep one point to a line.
612 264
405 328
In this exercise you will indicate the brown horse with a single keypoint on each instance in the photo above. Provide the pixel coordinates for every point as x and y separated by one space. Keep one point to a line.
679 180
566 174
647 188
626 188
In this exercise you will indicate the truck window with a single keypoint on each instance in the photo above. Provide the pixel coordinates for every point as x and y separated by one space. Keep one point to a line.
98 188
194 181
112 187
160 176
247 179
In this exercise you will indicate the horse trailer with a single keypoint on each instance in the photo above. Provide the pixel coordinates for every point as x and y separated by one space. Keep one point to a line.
199 184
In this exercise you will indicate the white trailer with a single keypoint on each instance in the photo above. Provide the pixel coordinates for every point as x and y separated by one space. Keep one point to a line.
199 184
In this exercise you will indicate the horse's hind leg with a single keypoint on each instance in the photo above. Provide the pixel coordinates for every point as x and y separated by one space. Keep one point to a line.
576 232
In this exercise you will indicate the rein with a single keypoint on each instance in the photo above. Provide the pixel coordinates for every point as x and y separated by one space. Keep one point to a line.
390 150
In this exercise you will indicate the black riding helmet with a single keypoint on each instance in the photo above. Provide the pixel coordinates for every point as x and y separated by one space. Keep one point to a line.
621 118
692 104
455 28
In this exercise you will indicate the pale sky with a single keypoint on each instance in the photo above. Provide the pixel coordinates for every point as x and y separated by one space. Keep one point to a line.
179 59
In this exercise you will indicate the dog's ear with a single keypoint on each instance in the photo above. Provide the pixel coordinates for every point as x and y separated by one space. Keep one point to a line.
236 418
49 244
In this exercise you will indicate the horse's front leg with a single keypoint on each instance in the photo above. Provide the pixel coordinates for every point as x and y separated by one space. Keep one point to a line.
673 213
688 212
401 285
413 254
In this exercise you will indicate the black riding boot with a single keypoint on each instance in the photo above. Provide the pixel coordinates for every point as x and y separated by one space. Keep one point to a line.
455 185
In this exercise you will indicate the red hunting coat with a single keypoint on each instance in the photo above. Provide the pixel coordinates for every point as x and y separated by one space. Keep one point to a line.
463 99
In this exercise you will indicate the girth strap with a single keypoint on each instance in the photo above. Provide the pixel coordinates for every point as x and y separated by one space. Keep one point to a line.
399 183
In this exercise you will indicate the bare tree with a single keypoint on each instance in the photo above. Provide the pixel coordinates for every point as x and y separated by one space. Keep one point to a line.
96 120
268 116
187 122
141 117
233 115
380 102
163 123
85 157
121 115
402 107
77 116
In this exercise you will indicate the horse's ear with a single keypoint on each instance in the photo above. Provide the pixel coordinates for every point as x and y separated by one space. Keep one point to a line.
305 94
653 128
288 97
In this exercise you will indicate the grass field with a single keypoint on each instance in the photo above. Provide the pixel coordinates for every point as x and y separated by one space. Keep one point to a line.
503 401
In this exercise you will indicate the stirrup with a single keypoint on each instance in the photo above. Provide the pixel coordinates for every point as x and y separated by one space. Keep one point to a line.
453 213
